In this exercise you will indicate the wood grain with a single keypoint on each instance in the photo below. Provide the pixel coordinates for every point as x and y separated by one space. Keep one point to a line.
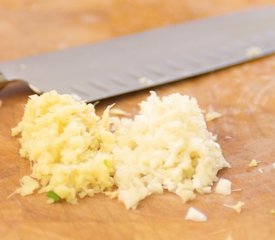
245 95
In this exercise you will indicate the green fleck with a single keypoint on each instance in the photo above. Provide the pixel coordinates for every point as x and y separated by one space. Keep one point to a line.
106 163
53 196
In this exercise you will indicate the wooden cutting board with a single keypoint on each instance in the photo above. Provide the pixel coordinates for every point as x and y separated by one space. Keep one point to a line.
245 95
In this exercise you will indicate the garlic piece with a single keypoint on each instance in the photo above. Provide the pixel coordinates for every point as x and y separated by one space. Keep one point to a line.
253 163
261 170
28 185
237 207
236 190
223 187
195 215
118 112
210 116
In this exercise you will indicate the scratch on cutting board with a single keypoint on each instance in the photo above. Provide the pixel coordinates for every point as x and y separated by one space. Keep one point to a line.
261 93
247 95
225 231
226 125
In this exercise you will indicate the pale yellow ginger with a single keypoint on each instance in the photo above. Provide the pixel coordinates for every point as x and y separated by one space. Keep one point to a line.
68 144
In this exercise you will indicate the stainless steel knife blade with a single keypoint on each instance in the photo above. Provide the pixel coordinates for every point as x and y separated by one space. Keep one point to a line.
150 58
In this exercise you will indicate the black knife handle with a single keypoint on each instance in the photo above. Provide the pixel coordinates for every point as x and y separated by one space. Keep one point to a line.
4 82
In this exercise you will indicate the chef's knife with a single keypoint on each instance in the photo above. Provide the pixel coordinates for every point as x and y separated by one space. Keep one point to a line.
149 58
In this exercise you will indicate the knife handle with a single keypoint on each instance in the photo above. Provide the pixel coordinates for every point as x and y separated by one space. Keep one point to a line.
4 82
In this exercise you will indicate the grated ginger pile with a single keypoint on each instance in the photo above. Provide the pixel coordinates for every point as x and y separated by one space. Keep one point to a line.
75 153
69 146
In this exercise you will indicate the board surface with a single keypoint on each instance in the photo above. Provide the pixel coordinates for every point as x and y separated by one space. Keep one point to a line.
245 95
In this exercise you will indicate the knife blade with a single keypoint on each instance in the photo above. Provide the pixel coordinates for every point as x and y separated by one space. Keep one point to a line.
150 58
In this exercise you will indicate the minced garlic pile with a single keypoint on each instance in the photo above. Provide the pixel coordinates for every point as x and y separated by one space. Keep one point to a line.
75 153
165 146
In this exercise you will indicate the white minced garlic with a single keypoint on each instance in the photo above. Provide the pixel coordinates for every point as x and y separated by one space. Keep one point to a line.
166 146
223 187
28 186
212 115
236 190
227 137
195 215
118 112
261 170
237 207
75 153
